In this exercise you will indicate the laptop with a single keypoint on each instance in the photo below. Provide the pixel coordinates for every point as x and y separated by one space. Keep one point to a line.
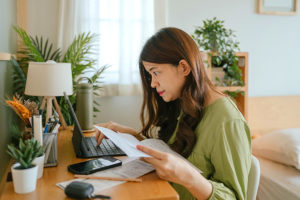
86 147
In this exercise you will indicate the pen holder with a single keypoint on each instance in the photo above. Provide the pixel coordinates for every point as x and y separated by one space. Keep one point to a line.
50 144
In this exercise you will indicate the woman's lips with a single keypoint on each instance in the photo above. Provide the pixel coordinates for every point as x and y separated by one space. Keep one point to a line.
160 93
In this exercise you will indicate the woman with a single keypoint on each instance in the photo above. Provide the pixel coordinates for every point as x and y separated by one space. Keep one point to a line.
195 120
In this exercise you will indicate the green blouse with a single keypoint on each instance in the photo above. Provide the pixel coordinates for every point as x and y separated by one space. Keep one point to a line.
222 151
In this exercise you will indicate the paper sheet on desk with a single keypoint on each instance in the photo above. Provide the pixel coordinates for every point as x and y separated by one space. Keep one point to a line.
130 168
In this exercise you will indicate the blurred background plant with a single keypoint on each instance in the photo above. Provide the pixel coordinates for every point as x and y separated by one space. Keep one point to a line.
220 43
80 54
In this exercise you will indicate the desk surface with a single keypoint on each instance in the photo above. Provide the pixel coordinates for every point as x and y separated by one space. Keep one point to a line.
151 188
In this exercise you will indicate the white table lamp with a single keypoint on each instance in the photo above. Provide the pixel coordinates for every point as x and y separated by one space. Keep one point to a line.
49 79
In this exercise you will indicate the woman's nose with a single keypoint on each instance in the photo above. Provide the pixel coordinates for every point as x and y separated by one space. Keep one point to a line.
154 82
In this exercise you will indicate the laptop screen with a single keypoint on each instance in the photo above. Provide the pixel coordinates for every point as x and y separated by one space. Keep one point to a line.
77 133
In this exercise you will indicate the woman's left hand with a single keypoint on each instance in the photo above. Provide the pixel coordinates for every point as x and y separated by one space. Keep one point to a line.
168 166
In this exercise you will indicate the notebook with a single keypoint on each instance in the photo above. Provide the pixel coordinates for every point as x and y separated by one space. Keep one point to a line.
86 147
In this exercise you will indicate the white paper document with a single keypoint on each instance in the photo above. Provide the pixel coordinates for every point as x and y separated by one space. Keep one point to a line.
130 168
128 143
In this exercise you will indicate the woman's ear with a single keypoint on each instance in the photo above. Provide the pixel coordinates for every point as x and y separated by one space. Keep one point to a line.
184 67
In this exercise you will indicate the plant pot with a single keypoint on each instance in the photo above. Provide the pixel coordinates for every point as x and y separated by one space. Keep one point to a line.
39 161
217 72
24 180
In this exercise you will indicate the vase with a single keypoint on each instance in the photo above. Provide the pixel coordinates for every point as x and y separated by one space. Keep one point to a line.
84 104
217 73
24 180
39 161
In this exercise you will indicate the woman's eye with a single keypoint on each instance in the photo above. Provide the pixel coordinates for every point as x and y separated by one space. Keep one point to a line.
155 73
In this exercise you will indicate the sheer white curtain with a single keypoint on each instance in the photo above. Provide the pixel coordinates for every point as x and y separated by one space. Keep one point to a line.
69 14
123 27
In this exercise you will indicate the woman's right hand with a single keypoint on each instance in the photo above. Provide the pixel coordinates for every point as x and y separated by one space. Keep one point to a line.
115 127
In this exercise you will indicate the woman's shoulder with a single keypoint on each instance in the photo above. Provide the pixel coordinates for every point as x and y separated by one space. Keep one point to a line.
219 115
223 109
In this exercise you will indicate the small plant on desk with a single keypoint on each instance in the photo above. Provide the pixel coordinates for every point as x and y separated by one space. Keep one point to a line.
24 171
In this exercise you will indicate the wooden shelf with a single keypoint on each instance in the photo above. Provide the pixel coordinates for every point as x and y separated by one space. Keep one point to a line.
231 88
240 100
4 56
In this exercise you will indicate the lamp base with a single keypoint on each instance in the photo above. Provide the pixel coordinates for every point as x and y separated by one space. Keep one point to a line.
48 100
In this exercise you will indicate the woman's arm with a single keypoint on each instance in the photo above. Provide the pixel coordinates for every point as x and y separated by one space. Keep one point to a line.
177 170
117 128
231 158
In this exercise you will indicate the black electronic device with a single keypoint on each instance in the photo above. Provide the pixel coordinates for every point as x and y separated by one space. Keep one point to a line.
82 190
86 147
91 166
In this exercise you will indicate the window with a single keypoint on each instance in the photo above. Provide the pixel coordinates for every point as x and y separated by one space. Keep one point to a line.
123 27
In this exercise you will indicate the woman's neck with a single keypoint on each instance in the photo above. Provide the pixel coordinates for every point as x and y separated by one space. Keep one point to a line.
212 95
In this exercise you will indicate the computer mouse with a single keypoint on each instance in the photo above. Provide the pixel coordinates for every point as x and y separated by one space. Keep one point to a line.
82 190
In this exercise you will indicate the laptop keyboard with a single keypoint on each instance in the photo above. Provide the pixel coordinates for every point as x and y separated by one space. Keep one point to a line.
106 148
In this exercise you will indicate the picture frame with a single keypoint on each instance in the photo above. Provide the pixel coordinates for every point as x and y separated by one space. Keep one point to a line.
277 7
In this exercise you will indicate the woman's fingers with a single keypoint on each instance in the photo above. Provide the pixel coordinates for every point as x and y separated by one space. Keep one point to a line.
151 152
153 161
102 124
100 138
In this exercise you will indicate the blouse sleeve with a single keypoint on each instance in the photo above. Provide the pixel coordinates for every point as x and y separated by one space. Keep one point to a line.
231 158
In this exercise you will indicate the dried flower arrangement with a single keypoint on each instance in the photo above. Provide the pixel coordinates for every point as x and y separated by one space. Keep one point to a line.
24 109
32 106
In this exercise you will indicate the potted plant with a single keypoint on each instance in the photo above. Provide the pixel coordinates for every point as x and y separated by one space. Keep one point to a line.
40 158
81 54
24 171
221 46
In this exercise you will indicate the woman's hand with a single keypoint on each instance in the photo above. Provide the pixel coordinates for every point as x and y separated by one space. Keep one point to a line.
168 166
115 127
177 170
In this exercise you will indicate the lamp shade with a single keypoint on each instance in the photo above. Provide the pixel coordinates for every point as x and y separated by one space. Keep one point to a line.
49 79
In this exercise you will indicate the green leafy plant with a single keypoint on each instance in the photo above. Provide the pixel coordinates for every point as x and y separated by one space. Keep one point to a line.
25 152
235 94
80 54
219 41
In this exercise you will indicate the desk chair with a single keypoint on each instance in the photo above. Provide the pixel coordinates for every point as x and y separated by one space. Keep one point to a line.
253 179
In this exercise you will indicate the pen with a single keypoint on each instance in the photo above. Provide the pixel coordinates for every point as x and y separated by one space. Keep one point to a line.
46 128
108 178
53 124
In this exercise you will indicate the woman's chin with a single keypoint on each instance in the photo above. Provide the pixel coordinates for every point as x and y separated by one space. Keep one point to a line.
167 99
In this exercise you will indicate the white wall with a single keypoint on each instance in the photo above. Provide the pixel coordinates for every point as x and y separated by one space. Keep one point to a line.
42 19
273 42
121 109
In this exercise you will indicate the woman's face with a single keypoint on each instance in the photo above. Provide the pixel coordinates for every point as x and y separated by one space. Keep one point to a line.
167 79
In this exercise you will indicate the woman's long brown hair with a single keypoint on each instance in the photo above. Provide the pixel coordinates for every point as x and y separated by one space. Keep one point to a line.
169 46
